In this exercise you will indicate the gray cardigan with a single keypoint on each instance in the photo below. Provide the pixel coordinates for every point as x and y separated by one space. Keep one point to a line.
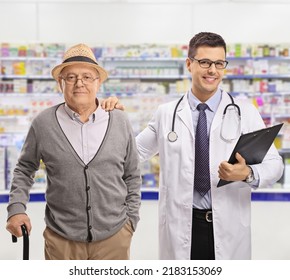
83 202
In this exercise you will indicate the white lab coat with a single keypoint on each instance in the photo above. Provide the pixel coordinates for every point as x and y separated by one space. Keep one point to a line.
231 204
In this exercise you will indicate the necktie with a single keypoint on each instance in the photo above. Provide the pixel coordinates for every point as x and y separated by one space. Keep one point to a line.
201 173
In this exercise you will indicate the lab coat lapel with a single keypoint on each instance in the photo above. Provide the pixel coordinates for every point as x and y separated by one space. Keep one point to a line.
184 114
216 123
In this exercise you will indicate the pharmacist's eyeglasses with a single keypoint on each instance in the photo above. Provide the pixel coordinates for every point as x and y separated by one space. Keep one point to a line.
206 63
86 79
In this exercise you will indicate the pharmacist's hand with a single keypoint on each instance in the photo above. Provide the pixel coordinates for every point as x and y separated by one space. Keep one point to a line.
15 222
111 103
234 172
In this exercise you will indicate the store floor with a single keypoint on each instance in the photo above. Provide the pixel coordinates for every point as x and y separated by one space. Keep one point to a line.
270 232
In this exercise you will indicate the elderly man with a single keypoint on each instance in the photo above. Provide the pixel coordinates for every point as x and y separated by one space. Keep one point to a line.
93 175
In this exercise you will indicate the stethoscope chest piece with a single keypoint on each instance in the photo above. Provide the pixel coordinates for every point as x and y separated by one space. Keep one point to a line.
172 136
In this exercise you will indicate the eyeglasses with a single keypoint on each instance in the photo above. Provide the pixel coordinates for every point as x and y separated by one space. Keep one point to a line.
86 79
206 63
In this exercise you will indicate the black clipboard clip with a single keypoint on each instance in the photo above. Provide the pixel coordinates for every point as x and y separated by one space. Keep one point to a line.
25 242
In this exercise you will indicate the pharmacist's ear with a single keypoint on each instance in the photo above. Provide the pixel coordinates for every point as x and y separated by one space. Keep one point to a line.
188 63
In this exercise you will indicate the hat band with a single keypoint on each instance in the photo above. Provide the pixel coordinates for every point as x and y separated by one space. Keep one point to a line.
80 58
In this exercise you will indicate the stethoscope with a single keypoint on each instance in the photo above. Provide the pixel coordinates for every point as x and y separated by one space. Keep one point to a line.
172 135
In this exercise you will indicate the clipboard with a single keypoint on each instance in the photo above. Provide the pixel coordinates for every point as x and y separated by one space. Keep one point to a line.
253 146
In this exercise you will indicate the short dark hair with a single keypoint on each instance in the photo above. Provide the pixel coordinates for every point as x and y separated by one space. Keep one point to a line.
205 39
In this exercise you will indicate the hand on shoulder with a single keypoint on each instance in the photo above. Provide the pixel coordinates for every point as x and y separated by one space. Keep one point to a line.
111 103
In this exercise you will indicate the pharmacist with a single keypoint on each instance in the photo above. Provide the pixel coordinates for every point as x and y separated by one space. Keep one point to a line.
198 220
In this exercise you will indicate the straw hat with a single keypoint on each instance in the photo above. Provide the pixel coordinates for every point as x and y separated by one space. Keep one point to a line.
79 54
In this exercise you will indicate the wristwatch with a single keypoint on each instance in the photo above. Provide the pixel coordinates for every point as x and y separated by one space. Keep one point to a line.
250 178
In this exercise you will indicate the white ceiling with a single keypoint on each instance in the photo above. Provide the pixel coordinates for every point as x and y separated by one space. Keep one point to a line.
199 1
152 1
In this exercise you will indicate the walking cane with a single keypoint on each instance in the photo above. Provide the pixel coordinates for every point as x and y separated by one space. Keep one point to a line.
25 242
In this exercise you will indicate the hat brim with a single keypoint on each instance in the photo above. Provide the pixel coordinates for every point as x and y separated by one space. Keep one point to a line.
57 69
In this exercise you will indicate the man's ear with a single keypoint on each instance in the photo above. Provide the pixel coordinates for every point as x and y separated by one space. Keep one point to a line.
60 85
188 62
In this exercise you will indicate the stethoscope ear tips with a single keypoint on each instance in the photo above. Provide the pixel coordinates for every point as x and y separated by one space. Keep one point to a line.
172 136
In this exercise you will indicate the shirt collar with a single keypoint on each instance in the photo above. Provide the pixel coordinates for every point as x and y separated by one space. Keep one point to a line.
212 103
76 117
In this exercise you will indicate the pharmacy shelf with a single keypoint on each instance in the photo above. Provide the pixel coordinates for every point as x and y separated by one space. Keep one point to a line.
264 94
148 77
140 59
269 58
153 71
257 76
11 117
29 94
182 59
271 194
29 58
149 69
27 77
